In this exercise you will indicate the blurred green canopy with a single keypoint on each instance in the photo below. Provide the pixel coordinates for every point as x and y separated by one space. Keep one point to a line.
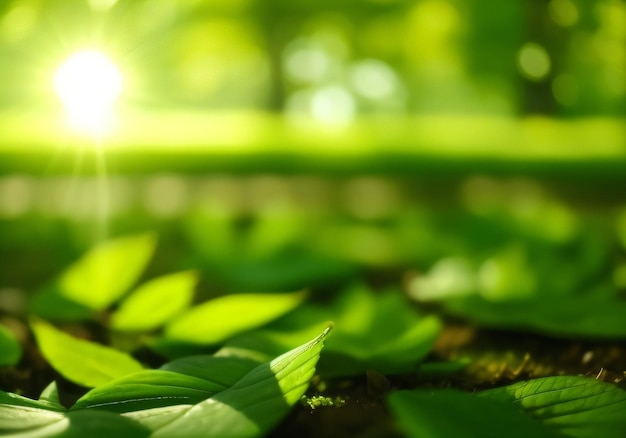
278 76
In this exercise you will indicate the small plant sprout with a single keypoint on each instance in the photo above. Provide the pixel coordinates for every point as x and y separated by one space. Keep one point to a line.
318 401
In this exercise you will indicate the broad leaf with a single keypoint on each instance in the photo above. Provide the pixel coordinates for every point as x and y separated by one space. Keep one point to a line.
155 302
448 413
219 319
83 362
574 406
149 389
247 405
225 370
14 418
107 271
255 403
10 348
184 381
38 423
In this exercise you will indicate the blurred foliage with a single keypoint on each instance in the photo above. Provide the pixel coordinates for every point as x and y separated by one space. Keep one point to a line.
331 61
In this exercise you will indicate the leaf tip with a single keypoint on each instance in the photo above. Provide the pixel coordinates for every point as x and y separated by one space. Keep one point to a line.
327 330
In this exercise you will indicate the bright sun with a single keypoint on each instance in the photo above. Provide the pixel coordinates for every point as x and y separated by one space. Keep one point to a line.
88 84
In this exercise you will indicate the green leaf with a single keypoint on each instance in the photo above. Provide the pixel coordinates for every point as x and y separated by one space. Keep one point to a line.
574 406
149 389
381 331
575 317
50 303
14 418
8 398
225 370
224 317
22 422
83 362
184 381
246 403
10 348
256 402
50 396
155 302
373 330
449 413
107 271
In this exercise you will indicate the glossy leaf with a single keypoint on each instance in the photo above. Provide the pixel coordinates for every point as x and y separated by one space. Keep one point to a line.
248 408
225 370
80 361
38 423
574 406
14 418
448 413
10 348
107 271
8 398
149 389
219 319
155 302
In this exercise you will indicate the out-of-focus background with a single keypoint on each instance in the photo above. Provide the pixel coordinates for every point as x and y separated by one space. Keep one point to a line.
279 144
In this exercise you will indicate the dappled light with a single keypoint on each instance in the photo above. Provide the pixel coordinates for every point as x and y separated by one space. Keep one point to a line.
194 193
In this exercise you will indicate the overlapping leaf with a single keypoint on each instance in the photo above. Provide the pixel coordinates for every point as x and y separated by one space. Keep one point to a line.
242 399
450 413
374 330
23 422
107 271
184 381
155 302
574 406
83 362
562 406
247 405
255 403
219 319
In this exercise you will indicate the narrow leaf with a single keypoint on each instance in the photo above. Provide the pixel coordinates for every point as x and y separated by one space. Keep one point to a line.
83 362
450 413
106 272
155 302
224 317
574 406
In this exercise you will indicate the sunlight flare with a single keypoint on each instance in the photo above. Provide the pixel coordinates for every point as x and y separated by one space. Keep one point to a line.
88 84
